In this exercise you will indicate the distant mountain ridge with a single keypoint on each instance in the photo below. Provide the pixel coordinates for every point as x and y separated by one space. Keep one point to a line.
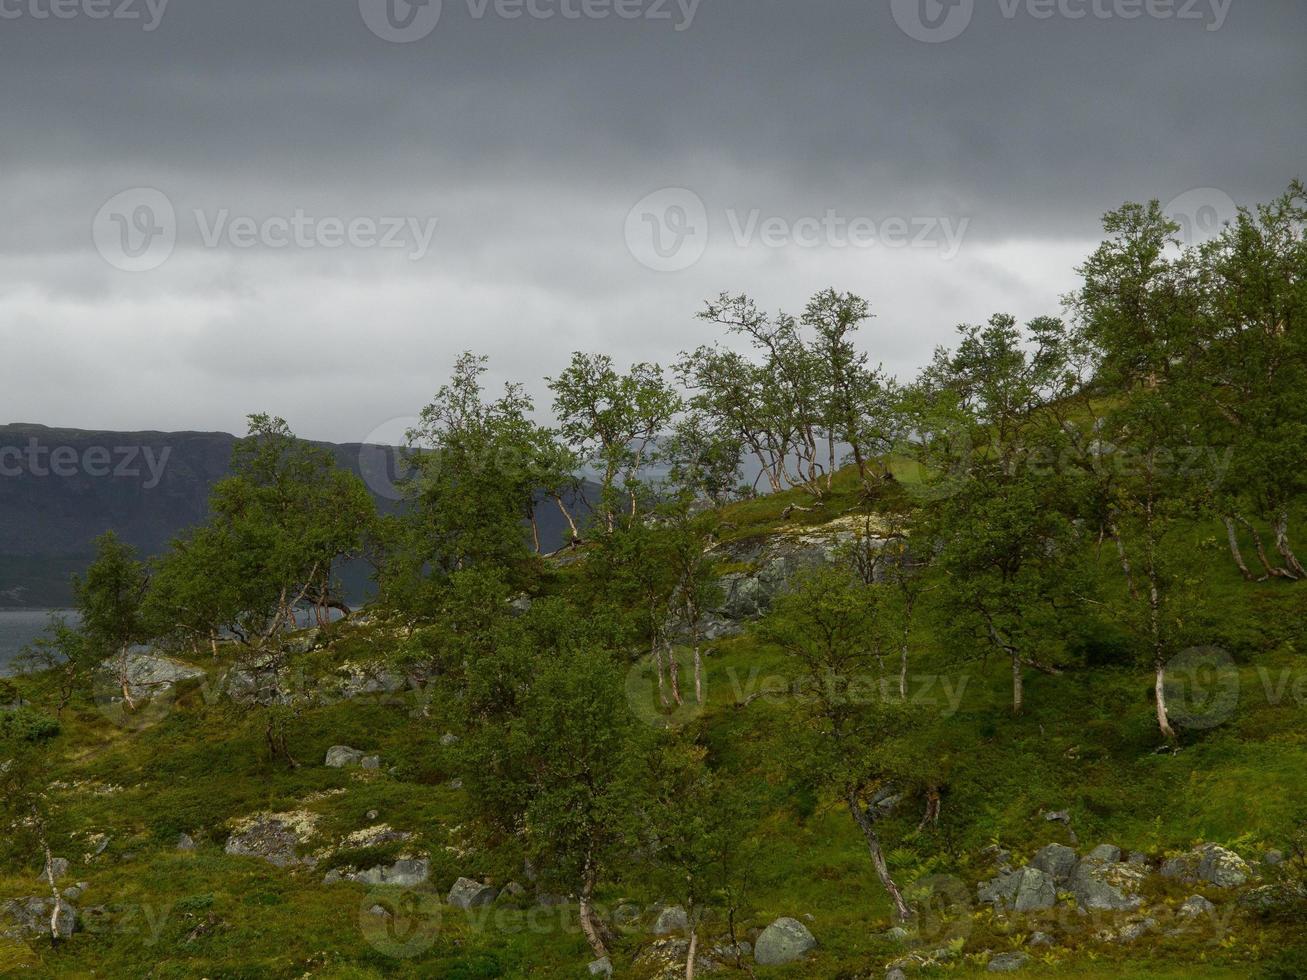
61 488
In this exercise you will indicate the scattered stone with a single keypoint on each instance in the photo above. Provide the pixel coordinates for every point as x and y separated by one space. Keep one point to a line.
895 973
512 891
1058 816
1137 857
664 959
456 784
1001 857
1040 939
1274 858
448 739
1276 899
1057 861
469 894
74 892
1007 962
380 911
602 967
185 842
784 941
372 814
671 920
1195 905
897 934
1021 891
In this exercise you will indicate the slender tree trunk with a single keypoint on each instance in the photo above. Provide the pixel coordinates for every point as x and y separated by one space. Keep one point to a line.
593 935
1282 545
1018 685
694 946
567 515
1125 561
657 652
1233 537
55 934
878 857
698 674
124 680
674 671
1159 689
535 532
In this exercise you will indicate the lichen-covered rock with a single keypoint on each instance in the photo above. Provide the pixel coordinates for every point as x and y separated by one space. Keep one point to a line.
147 675
664 959
469 894
1133 931
1211 863
1284 898
406 873
784 941
1057 861
343 757
1099 884
1021 891
274 837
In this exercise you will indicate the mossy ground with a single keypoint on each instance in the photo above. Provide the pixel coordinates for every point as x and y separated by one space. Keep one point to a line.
1086 744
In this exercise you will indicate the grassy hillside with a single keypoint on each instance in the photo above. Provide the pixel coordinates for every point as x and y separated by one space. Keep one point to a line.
1087 745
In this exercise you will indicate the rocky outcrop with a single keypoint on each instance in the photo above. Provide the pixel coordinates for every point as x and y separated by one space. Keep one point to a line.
664 959
406 873
784 941
1057 861
671 920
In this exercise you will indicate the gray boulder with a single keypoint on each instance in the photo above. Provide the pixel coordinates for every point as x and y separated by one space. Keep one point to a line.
1106 885
671 920
1057 861
29 918
1040 939
1007 962
602 967
1133 931
895 973
1211 863
185 842
1106 853
784 941
512 891
58 867
448 739
1021 891
148 675
406 873
469 894
344 757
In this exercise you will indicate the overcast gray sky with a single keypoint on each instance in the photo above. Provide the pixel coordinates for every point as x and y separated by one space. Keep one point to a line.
212 208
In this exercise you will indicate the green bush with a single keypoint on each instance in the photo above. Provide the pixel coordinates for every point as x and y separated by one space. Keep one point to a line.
27 725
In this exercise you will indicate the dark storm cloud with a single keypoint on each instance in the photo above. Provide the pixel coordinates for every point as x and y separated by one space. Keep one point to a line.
530 140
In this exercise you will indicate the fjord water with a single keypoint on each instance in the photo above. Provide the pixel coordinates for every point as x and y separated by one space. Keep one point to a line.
19 627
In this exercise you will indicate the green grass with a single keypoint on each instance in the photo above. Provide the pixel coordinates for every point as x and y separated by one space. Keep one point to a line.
1085 744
